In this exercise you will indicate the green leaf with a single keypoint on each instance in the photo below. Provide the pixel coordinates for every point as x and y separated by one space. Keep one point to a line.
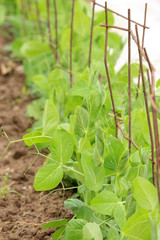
58 233
105 202
81 121
33 48
86 213
41 81
79 25
116 152
35 137
145 194
113 234
94 176
50 117
119 215
74 229
138 226
73 204
81 89
55 224
48 177
61 146
92 231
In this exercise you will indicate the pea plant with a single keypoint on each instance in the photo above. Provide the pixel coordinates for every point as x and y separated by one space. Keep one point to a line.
98 125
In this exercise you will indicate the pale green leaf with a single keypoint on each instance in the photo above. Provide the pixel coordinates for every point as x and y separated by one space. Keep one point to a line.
48 177
138 226
50 117
105 202
116 152
113 234
74 229
145 194
94 176
81 121
61 146
33 48
92 231
81 89
119 215
35 137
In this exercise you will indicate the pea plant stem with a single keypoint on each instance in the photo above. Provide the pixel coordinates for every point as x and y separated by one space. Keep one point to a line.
91 36
107 70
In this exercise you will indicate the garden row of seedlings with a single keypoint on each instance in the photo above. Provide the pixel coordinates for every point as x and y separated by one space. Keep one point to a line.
154 132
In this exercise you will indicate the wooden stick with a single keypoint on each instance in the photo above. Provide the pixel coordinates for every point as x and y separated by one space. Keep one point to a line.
129 77
120 15
143 36
116 27
145 94
107 71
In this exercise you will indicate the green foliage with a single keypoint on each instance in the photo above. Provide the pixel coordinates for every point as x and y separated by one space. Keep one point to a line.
115 197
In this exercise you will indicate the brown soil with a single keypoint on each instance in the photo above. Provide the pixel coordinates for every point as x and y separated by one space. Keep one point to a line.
21 216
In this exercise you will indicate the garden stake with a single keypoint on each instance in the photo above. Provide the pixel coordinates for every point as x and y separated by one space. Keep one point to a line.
139 75
129 77
116 27
155 120
56 30
120 15
152 143
149 81
91 37
124 135
107 71
146 101
39 20
71 42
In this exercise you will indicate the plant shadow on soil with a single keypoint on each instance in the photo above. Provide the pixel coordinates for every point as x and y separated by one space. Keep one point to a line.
23 213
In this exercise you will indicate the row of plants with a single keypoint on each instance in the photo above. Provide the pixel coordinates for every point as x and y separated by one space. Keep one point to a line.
115 198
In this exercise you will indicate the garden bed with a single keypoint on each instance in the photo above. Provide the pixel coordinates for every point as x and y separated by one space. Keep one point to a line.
22 213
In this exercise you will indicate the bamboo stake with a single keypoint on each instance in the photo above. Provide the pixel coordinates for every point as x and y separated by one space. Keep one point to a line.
145 96
107 71
143 36
152 143
129 77
120 15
